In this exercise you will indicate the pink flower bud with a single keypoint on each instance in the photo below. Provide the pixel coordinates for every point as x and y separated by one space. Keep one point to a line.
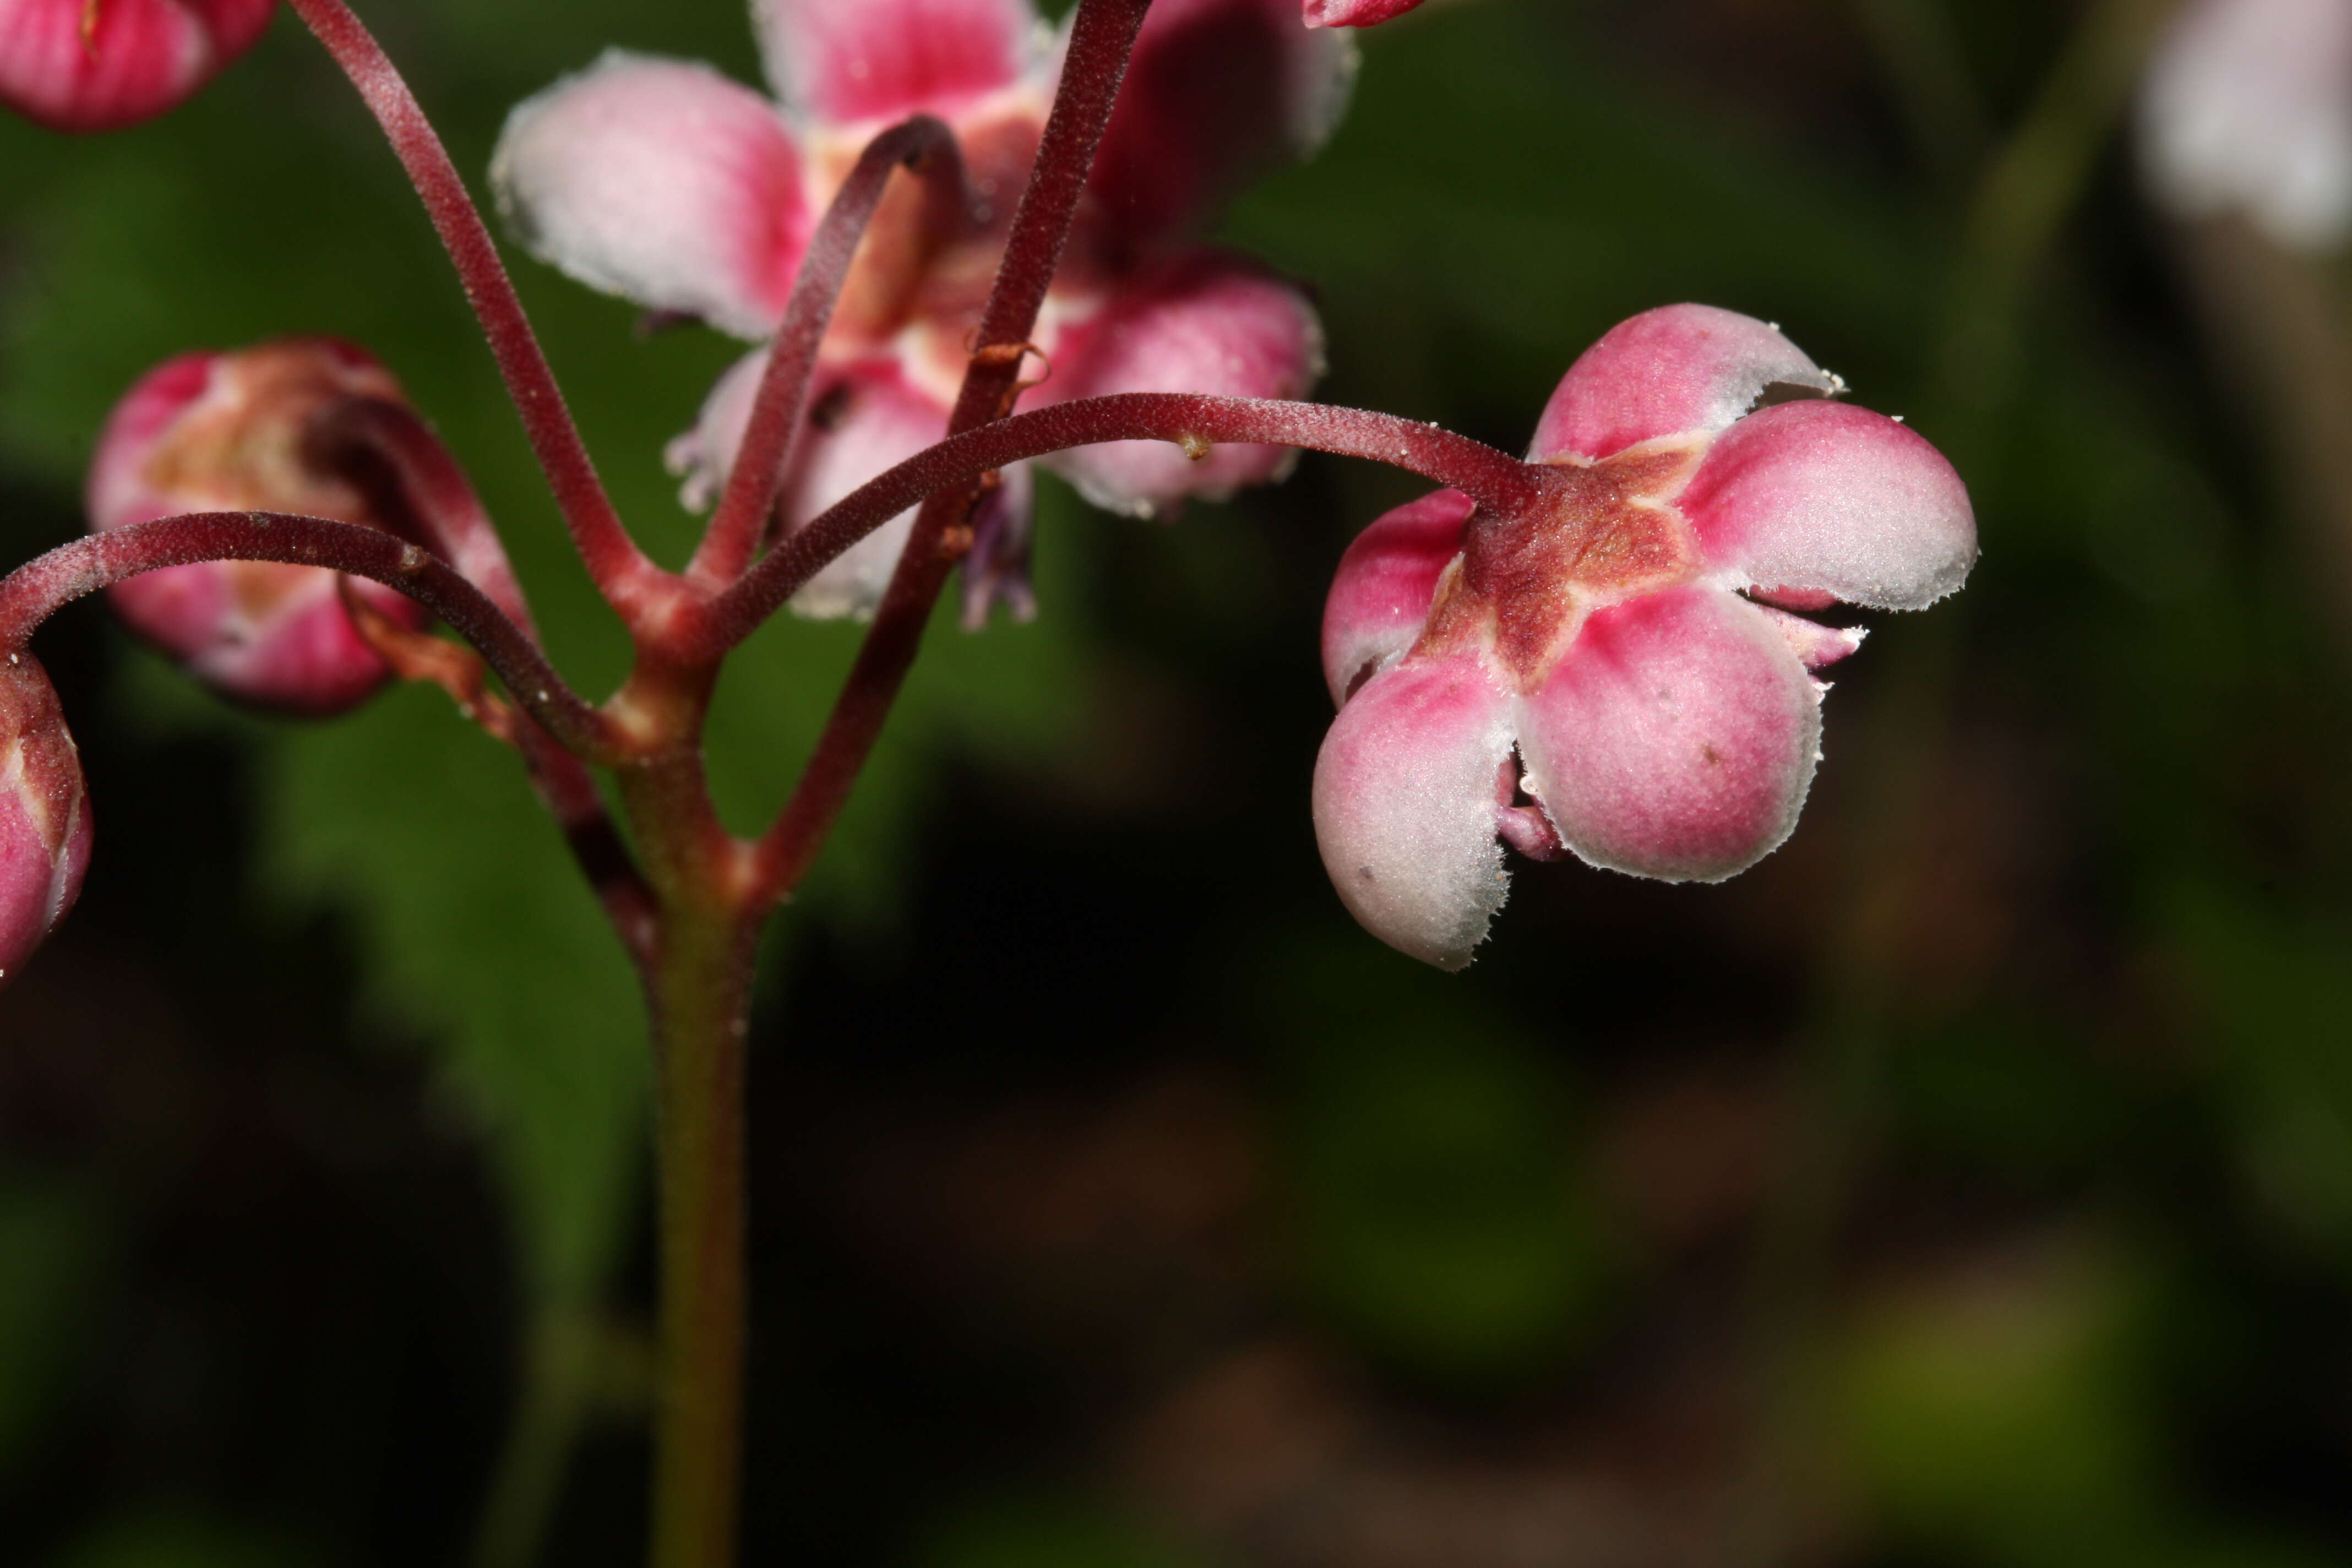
1615 671
44 814
227 432
1355 13
98 65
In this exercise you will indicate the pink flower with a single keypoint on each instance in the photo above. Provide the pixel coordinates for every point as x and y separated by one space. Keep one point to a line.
1355 13
1607 674
666 182
44 815
97 64
2247 107
225 432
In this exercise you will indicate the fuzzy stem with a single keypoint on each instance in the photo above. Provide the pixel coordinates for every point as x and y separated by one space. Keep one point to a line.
619 569
1192 420
37 588
387 447
1102 38
700 997
923 145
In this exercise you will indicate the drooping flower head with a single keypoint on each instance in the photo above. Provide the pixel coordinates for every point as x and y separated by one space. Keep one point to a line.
2247 107
99 65
666 182
1616 673
44 815
228 432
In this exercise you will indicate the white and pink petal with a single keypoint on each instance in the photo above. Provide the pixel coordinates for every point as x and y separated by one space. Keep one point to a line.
1837 499
1219 91
1678 370
1405 798
661 181
1380 595
861 421
1675 739
848 62
1355 13
1207 322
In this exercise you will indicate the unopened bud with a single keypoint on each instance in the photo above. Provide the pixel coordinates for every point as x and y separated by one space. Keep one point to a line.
230 432
44 814
98 65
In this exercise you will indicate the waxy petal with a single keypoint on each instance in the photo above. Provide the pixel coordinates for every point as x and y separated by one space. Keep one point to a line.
2247 105
1405 792
1675 739
846 61
142 56
45 830
1380 595
1208 322
1355 13
1678 370
1219 91
1836 498
661 181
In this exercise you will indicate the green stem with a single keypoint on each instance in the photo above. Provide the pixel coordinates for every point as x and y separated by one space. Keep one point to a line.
700 994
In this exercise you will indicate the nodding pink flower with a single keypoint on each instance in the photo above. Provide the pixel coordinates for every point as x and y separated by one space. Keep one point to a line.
1355 13
43 813
228 432
1615 672
2247 107
98 65
666 182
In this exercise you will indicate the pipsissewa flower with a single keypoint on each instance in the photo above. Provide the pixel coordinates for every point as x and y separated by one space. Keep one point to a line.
1617 673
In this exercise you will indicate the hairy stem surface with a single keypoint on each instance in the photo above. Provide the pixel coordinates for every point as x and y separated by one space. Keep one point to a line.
1102 38
700 997
923 145
620 570
35 590
1195 421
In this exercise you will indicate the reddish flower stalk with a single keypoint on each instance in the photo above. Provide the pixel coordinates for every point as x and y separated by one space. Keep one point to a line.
35 591
1102 39
923 145
360 433
1195 421
1191 420
620 570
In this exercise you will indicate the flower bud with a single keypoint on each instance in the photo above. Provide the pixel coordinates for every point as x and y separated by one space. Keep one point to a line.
44 815
99 65
228 432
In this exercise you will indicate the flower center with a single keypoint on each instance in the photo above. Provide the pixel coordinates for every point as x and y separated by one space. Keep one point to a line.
1598 534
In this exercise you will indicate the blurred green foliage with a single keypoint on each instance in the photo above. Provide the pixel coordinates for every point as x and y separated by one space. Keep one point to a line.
1439 1211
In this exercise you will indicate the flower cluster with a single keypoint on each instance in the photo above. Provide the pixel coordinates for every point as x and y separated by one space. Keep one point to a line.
664 181
1614 671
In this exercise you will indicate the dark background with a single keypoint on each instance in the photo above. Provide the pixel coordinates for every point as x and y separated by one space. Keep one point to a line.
1969 1184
